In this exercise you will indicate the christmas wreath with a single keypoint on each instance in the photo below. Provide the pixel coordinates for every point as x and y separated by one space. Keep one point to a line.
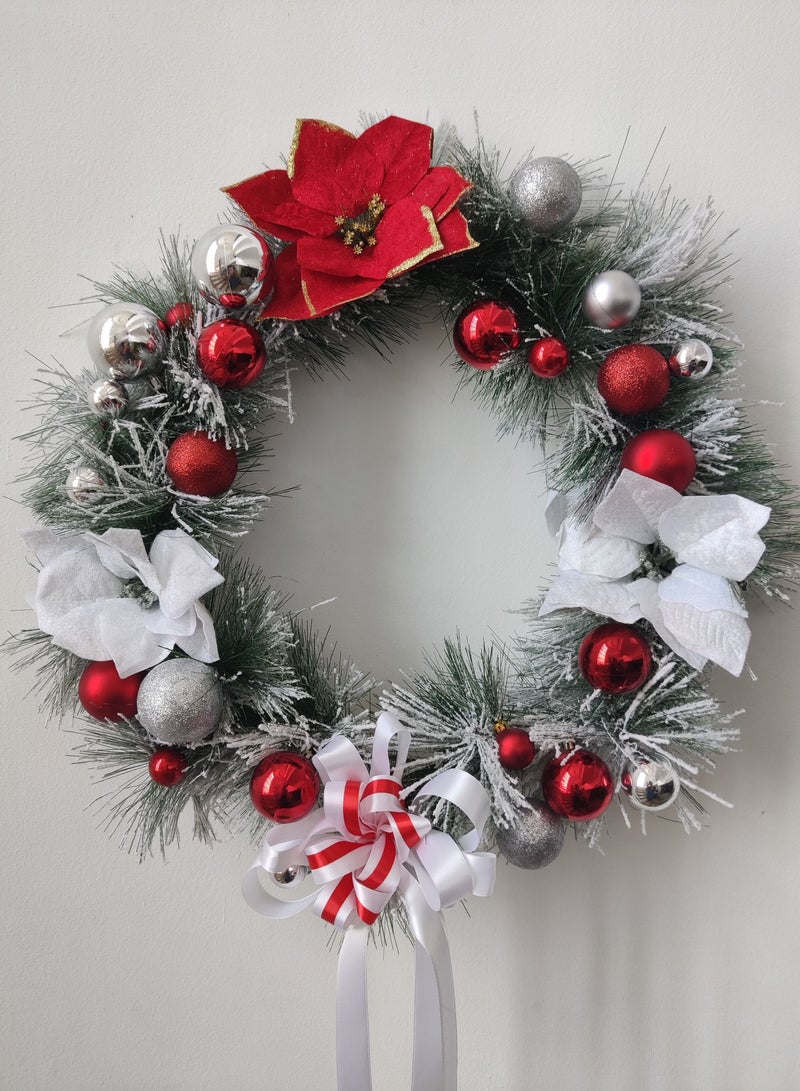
586 322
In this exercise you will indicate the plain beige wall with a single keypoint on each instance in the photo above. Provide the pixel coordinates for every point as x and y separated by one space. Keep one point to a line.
667 962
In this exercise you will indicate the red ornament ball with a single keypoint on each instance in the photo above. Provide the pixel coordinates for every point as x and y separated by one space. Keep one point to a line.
231 353
633 379
201 466
284 786
167 766
662 455
105 695
615 658
486 332
548 357
514 748
578 785
179 314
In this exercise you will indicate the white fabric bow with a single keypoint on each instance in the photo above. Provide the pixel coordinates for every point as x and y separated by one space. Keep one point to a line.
101 596
696 610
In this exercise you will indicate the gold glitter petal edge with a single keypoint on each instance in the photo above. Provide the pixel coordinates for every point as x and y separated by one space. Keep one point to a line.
436 244
298 126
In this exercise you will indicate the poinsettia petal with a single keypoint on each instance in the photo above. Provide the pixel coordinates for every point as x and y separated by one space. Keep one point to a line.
326 294
403 148
454 233
267 199
288 301
406 234
440 190
329 172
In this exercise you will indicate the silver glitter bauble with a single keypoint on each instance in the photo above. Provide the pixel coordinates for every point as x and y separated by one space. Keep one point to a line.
547 193
126 341
84 486
108 398
233 266
612 300
179 702
692 359
290 876
651 784
535 839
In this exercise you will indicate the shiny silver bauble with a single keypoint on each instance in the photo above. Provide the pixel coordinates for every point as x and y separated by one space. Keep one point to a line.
127 342
651 784
290 876
84 486
612 300
692 359
233 266
108 398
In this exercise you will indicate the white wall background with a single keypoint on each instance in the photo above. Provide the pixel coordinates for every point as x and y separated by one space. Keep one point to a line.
667 961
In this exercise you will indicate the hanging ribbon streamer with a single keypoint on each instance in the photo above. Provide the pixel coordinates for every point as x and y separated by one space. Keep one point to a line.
363 846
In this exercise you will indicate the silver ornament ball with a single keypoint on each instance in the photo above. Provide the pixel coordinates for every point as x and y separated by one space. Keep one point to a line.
612 300
692 359
547 194
535 839
108 398
290 876
84 486
651 784
180 702
126 341
233 266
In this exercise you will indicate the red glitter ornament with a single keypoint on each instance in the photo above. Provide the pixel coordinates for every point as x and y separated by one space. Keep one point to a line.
633 379
615 658
486 332
105 695
201 466
284 786
548 357
231 353
662 455
167 766
179 314
578 785
514 747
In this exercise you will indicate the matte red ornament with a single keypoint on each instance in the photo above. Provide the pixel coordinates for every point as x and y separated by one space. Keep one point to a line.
633 379
231 353
548 357
105 695
578 785
179 314
486 332
662 455
167 766
514 748
615 658
284 786
201 466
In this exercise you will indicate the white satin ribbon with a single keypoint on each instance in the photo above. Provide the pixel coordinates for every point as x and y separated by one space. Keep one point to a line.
696 609
363 847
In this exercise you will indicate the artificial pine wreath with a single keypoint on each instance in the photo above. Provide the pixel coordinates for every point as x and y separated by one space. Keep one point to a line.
585 322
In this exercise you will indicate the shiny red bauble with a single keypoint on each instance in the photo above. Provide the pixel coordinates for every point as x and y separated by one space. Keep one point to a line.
167 766
105 695
548 357
284 786
514 748
578 785
662 455
201 466
615 658
231 353
486 332
633 379
179 314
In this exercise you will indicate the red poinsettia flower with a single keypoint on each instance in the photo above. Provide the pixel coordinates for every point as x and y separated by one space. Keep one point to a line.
358 211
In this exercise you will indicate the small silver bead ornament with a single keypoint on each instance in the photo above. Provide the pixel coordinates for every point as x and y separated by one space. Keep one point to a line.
127 342
108 399
290 876
84 486
651 784
691 359
233 266
612 300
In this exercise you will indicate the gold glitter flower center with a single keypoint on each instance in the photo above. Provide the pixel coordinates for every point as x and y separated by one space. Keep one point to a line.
359 231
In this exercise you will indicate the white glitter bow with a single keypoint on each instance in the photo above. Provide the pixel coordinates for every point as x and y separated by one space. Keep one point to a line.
696 610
